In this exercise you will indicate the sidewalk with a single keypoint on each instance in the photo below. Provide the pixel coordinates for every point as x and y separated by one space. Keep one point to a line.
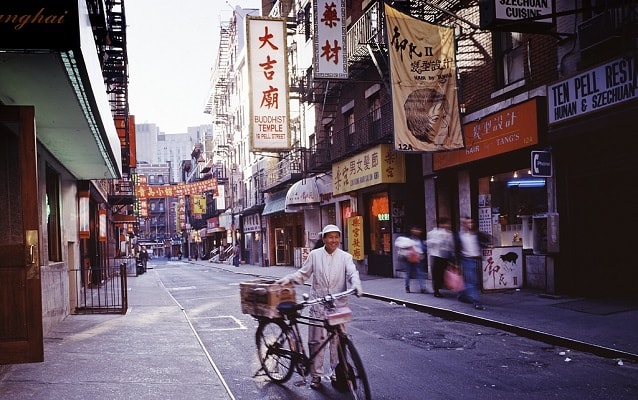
108 356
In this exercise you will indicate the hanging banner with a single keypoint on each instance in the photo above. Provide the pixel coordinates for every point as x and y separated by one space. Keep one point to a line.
330 39
268 82
145 191
424 89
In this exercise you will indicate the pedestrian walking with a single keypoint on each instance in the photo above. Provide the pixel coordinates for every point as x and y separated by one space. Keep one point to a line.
143 257
468 253
331 270
412 257
440 245
236 255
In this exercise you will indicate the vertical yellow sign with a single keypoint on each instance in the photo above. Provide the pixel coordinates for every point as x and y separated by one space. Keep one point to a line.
355 237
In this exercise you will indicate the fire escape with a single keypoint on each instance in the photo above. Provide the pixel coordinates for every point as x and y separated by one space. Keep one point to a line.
108 21
219 107
366 49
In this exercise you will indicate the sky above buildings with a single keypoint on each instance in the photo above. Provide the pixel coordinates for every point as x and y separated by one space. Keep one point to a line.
172 49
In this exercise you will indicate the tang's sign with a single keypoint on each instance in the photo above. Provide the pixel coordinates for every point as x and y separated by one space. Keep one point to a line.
511 129
593 90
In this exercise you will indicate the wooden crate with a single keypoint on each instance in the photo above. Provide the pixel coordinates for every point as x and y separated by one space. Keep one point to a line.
261 297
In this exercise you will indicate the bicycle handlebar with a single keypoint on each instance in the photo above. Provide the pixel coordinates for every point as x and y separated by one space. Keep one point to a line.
328 298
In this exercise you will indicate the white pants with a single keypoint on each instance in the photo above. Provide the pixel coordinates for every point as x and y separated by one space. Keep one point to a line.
316 336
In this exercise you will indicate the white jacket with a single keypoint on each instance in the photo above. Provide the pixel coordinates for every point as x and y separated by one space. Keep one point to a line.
329 274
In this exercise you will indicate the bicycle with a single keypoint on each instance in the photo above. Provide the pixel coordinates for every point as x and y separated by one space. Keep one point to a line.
281 350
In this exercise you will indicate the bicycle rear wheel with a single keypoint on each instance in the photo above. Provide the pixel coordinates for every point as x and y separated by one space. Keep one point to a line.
276 347
351 372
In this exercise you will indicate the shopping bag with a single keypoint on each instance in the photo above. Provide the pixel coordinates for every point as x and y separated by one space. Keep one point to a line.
453 278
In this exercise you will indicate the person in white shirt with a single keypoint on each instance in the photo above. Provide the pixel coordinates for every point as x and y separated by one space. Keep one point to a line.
412 257
469 255
331 270
440 244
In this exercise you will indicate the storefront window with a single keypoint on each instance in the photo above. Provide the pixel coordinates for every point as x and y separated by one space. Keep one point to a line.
346 212
507 203
379 220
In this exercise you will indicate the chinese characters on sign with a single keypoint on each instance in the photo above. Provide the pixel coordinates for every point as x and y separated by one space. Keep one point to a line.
144 191
377 165
329 41
268 77
504 131
424 89
502 268
355 237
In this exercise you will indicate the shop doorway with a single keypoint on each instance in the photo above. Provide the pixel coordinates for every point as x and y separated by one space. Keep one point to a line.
280 246
21 338
379 235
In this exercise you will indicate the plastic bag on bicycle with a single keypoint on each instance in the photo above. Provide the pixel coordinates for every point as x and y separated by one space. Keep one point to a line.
338 315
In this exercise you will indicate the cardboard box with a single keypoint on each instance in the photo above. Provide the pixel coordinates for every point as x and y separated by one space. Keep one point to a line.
339 315
261 297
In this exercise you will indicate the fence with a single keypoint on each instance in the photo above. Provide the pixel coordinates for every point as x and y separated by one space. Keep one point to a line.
102 290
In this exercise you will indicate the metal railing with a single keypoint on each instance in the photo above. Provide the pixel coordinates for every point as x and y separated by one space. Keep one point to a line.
102 290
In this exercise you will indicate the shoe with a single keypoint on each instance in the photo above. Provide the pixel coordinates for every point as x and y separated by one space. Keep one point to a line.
424 291
437 294
479 306
315 383
407 290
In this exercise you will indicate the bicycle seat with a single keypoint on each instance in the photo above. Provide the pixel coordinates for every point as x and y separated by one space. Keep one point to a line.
287 308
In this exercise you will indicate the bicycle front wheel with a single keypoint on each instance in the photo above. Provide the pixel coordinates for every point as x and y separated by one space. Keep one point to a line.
351 371
276 349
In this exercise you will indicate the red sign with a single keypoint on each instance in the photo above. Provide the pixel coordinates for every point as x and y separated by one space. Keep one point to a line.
508 130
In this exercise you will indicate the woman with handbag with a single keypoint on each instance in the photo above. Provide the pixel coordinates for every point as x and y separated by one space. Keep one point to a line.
440 243
412 257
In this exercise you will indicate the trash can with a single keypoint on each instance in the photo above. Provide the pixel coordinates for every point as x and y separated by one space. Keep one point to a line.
139 267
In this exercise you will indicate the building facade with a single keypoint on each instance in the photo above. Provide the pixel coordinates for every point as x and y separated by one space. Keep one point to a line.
525 168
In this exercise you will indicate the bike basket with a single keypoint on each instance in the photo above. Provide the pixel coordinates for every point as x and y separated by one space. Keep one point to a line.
261 297
339 315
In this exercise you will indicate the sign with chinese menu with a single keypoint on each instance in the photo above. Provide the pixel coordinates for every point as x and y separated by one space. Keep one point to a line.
377 165
330 39
424 90
268 81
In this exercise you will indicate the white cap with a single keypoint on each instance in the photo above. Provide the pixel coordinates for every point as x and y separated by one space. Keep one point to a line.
330 228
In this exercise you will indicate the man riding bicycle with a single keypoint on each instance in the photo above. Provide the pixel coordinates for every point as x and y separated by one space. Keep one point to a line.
332 270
